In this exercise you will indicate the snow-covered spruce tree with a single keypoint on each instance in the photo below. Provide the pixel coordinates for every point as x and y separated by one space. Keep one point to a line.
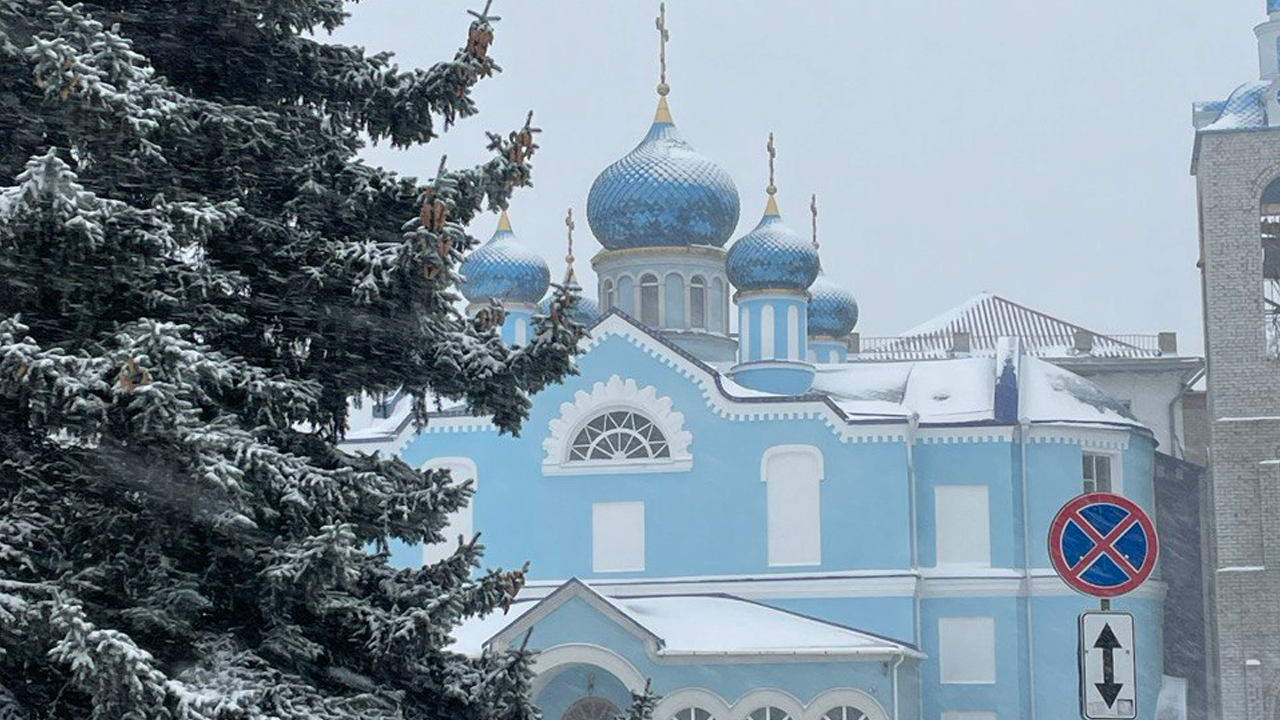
643 704
196 272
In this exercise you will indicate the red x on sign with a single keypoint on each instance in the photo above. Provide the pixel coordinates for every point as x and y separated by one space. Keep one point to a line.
1103 545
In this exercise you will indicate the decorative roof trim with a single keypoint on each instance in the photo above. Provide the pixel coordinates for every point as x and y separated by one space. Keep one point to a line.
616 394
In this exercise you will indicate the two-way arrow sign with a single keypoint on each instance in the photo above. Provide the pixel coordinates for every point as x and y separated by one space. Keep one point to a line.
1108 678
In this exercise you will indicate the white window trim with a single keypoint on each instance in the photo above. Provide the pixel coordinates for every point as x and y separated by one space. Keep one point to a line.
767 697
616 394
1117 466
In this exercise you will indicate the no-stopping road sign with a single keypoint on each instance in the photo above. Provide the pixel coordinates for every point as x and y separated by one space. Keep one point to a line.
1103 545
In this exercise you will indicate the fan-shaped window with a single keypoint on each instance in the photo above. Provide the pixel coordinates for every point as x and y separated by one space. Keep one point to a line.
591 708
698 302
693 713
769 713
619 435
649 300
844 712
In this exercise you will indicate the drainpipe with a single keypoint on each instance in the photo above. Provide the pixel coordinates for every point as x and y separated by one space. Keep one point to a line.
1024 429
896 664
913 428
1181 452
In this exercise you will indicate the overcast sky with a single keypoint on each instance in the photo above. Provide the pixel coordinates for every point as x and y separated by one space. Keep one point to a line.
1039 150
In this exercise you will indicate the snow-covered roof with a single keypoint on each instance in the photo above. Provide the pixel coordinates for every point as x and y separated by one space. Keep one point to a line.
968 390
691 626
991 389
987 318
1245 109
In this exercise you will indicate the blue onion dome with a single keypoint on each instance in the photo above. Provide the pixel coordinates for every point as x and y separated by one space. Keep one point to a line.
586 312
503 269
833 311
772 257
663 194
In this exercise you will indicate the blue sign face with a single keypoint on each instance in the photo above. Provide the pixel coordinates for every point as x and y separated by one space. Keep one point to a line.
1103 545
1273 6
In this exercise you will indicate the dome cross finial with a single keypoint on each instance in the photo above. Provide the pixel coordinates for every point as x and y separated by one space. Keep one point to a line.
771 209
813 210
773 156
569 276
664 36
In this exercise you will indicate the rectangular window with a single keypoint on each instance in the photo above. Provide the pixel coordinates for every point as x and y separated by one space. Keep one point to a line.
794 485
963 514
967 650
1097 473
617 537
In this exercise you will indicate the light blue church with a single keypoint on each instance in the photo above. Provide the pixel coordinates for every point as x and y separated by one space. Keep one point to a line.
763 528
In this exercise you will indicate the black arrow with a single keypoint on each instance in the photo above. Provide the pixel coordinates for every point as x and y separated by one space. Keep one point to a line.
1108 688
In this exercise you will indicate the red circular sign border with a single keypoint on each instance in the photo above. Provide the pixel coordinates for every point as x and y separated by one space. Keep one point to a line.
1060 562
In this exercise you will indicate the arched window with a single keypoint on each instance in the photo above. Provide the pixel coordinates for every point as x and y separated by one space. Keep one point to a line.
619 435
592 708
461 521
698 302
720 310
844 712
674 311
769 713
649 300
793 495
606 294
1271 267
693 713
627 295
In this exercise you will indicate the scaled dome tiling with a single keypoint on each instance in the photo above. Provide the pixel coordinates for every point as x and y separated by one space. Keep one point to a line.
772 256
585 312
663 194
833 311
503 269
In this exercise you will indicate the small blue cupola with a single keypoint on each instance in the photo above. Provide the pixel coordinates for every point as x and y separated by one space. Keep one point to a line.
506 273
772 268
833 312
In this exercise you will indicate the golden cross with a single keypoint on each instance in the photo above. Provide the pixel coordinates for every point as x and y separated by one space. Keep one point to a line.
569 275
663 36
773 155
813 208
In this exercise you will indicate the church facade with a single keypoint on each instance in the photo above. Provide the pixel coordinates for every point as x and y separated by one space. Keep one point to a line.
722 504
